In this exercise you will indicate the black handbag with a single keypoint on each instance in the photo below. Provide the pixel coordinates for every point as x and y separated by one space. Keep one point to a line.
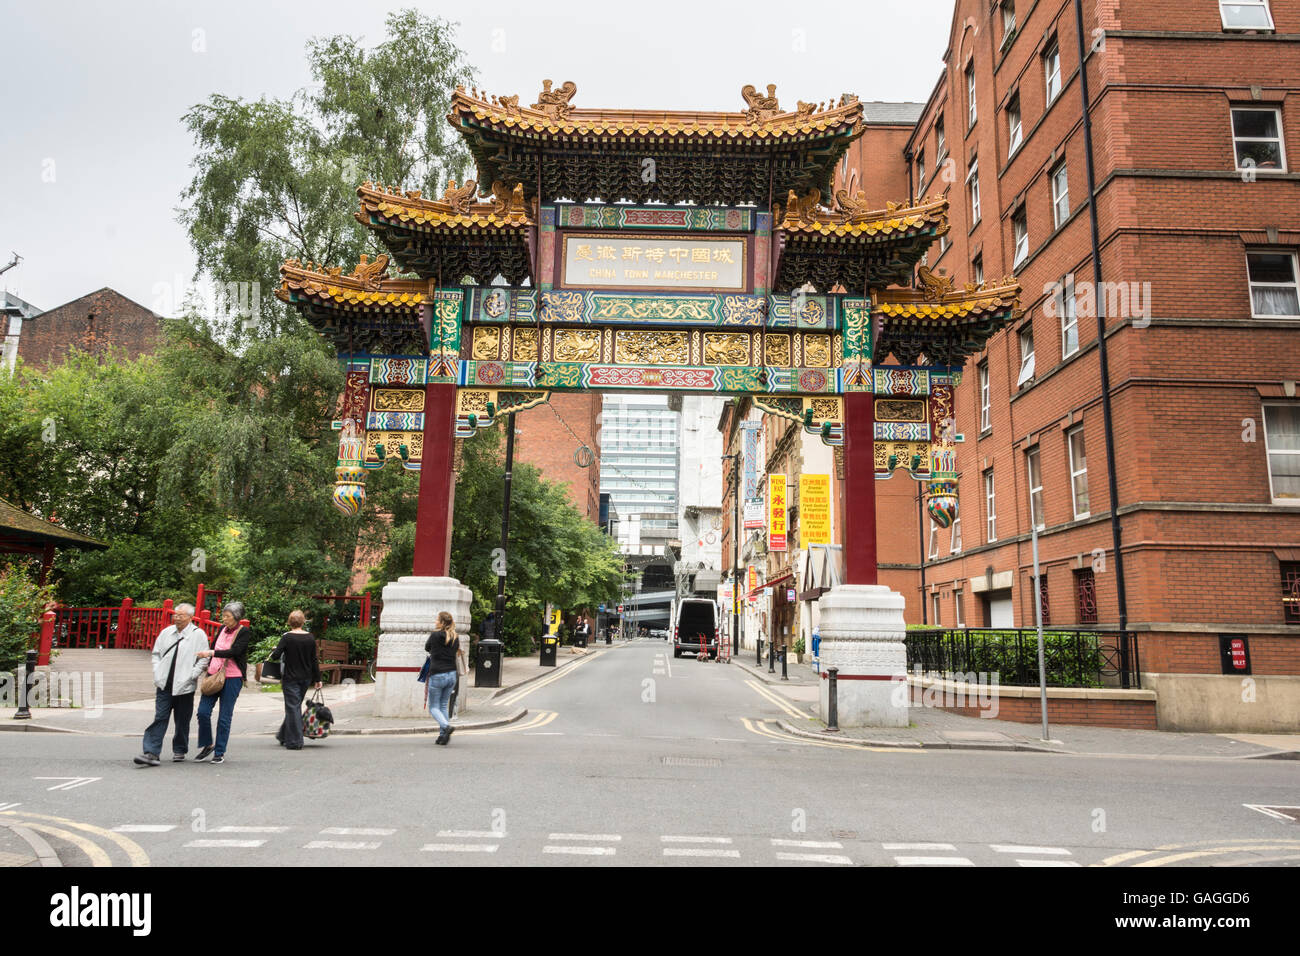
272 670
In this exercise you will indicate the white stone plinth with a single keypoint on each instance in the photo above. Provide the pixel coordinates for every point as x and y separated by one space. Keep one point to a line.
411 608
862 632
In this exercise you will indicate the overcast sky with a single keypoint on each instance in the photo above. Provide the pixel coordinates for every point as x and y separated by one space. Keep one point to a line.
93 155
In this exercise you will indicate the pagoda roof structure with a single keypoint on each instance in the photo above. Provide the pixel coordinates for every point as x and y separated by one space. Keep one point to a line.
943 324
644 156
363 311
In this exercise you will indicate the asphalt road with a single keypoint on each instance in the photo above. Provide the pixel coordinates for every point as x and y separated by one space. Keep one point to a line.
632 757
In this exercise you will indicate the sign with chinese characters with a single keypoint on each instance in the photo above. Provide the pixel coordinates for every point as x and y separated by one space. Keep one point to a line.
650 262
776 514
753 582
814 509
753 514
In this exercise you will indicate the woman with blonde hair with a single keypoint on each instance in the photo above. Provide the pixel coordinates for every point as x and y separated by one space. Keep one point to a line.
443 646
300 667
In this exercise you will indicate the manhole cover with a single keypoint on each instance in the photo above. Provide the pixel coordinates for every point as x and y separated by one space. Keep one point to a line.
845 834
692 762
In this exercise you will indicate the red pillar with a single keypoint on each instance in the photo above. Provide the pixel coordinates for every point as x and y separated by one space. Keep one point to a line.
201 598
860 488
47 562
47 639
123 637
437 484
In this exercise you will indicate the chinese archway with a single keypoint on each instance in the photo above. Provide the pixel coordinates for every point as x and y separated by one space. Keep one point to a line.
651 251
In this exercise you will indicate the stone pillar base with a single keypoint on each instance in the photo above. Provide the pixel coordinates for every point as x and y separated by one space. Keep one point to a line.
411 608
862 631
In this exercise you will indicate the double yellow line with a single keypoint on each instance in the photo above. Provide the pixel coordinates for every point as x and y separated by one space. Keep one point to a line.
540 719
774 698
760 727
1214 848
94 852
515 697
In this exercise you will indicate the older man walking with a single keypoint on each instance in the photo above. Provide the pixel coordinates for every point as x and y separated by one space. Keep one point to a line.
176 670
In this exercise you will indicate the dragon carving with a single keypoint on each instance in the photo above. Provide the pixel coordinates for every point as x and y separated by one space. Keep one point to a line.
370 272
933 285
507 200
760 107
555 103
459 199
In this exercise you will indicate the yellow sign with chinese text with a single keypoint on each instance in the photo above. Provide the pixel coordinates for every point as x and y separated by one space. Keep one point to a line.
814 509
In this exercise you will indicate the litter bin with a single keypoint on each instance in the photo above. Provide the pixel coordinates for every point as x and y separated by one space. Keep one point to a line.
580 637
487 668
550 648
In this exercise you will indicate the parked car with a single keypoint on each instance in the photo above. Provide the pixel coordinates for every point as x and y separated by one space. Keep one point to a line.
695 628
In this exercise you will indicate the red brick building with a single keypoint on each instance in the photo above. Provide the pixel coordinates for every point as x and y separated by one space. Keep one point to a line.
1195 119
542 439
93 323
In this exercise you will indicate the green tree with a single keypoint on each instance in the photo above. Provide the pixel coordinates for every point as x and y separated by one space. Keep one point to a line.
22 602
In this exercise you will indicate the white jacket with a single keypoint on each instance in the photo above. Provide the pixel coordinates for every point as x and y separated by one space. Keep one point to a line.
188 667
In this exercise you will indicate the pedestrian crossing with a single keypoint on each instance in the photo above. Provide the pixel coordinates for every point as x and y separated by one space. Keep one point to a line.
671 849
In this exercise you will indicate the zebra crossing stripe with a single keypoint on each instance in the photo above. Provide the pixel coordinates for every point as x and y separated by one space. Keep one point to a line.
919 846
932 861
694 839
1036 862
1048 850
701 851
581 850
358 831
815 858
459 848
340 845
810 844
470 834
227 844
598 837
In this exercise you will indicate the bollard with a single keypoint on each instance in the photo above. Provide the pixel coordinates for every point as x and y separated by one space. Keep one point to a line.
832 706
24 689
784 653
758 652
771 657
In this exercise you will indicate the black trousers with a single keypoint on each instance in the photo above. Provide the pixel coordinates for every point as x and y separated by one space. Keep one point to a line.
290 732
165 706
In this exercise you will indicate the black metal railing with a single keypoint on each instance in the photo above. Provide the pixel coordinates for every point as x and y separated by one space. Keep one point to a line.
1072 657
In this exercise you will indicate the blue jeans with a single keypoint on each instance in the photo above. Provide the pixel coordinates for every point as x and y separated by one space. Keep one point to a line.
164 706
440 688
229 692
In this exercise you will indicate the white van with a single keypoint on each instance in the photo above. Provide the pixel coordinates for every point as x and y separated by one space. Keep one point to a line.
695 628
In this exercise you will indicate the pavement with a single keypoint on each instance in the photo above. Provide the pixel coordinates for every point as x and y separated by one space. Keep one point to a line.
126 702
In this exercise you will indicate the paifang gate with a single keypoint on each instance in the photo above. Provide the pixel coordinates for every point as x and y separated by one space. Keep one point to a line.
651 251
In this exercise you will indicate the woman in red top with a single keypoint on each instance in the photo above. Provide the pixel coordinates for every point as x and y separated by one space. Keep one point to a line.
230 652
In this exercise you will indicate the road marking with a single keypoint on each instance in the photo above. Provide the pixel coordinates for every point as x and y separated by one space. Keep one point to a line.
810 844
459 848
358 831
8 806
815 858
96 854
776 699
1217 851
249 830
145 828
697 851
44 852
1269 811
1047 863
932 861
668 664
919 846
598 837
132 849
1046 850
516 696
693 839
339 845
581 850
471 834
228 844
759 727
545 733
541 719
1168 847
71 783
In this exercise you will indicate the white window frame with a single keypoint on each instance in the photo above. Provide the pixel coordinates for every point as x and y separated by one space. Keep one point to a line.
1270 452
1294 284
1020 232
1052 71
1067 309
954 546
940 141
973 192
1015 126
932 552
1060 193
920 168
1280 139
1263 4
1026 355
1008 18
935 602
943 244
986 405
990 508
1078 472
977 264
972 113
958 620
1034 471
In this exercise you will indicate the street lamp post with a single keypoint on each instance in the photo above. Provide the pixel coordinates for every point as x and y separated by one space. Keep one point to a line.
735 553
505 528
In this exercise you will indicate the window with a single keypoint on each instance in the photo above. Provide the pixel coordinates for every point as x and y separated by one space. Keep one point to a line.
1282 445
1034 467
970 94
940 147
1085 596
1060 195
973 189
933 550
1008 19
1065 308
1020 229
1290 592
1273 290
985 404
1257 139
1026 337
934 609
977 267
920 169
958 620
990 509
1245 15
1078 472
1052 70
1014 125
944 243
955 547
